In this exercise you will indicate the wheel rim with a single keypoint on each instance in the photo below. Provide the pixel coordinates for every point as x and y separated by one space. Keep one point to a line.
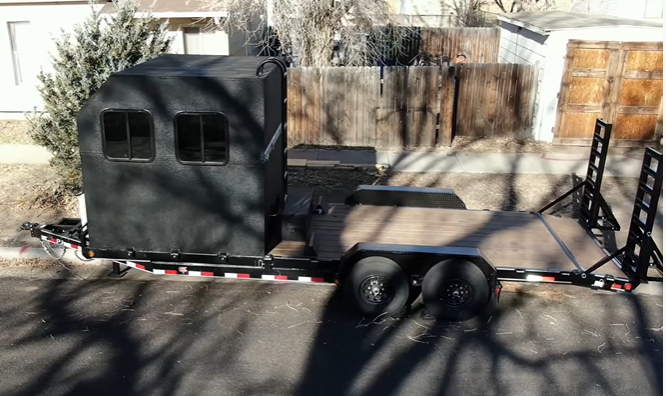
456 293
375 289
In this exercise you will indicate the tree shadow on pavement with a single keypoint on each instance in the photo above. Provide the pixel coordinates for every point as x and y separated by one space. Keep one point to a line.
552 341
131 338
541 340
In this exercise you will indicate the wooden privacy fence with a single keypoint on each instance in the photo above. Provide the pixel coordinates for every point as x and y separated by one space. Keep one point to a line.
408 106
480 45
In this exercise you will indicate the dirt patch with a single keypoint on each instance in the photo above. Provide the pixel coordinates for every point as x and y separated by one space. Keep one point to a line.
461 144
14 132
32 263
22 187
464 144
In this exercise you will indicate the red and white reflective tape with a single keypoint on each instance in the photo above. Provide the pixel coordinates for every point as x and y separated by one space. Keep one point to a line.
236 276
231 275
627 287
200 273
310 279
275 277
63 243
133 265
538 278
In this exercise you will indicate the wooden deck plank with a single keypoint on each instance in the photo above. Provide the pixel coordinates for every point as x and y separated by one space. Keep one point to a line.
508 239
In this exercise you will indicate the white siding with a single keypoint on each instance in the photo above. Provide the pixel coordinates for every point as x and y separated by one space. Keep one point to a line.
518 45
211 42
45 22
553 73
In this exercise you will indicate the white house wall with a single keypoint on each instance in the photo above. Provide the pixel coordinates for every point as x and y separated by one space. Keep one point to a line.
45 23
213 42
553 73
518 45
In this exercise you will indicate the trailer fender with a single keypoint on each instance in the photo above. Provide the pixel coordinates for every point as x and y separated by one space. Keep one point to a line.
416 260
415 197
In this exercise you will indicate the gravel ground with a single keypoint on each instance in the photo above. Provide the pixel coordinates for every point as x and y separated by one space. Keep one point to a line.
14 132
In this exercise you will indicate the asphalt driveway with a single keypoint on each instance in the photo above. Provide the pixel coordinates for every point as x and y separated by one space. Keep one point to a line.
165 337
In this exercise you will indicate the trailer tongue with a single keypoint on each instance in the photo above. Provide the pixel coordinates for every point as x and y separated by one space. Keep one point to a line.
185 173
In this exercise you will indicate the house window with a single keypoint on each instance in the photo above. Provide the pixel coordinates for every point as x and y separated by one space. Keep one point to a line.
192 40
18 33
202 138
128 135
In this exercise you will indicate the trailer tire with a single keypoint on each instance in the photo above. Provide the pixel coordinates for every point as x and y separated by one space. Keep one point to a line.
455 290
377 286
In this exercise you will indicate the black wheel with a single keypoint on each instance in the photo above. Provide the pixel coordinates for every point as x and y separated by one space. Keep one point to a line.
455 290
377 285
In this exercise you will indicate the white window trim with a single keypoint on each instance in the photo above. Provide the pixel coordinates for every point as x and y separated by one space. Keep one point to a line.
201 33
16 59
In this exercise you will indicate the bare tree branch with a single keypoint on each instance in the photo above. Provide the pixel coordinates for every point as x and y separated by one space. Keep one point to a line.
525 5
500 4
310 28
469 13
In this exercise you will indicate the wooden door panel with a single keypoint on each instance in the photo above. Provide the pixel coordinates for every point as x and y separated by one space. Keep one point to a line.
588 58
634 92
586 91
574 124
640 93
634 126
621 83
584 88
645 61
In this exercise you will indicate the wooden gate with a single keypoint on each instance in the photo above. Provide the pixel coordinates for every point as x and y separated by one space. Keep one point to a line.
622 83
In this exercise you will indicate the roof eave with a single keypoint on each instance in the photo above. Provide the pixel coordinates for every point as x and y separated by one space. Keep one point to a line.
524 25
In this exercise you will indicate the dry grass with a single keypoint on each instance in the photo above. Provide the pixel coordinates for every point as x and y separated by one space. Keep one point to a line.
14 132
32 187
465 144
32 263
27 194
461 144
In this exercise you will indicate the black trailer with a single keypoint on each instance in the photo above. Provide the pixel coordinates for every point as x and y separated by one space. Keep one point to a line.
185 174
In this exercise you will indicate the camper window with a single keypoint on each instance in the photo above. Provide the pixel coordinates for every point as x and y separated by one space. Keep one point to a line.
202 138
128 135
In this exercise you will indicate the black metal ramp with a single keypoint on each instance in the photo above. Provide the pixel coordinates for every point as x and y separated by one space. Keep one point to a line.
640 251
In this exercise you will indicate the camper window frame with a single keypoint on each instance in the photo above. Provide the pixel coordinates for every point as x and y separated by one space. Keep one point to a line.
201 138
129 142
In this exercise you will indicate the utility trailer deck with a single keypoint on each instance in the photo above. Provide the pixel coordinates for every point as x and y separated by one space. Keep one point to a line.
197 186
508 239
